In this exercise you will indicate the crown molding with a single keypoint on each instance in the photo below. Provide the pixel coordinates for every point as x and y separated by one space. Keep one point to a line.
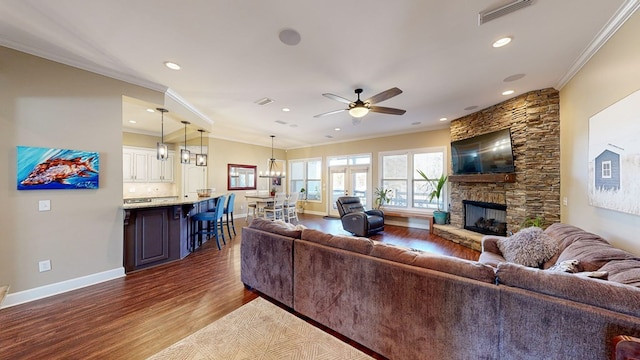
617 20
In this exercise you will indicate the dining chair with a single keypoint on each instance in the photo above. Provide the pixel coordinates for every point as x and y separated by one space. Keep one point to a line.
275 210
252 206
291 207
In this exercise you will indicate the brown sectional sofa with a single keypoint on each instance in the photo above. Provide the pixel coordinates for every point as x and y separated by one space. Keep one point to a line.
407 304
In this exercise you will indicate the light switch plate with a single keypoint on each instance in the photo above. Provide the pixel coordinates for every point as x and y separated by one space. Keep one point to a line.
44 205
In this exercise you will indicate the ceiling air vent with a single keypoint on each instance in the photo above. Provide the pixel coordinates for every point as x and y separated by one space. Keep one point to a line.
493 14
264 101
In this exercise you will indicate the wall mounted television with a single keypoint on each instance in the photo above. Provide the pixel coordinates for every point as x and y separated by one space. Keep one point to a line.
483 154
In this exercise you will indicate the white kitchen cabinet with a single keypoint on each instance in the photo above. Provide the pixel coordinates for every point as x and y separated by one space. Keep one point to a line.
135 165
142 165
161 170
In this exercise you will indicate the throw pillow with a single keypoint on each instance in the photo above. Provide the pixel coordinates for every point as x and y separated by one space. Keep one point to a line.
570 266
623 271
528 247
602 275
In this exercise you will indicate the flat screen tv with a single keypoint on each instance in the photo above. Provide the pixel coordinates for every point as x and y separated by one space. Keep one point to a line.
484 154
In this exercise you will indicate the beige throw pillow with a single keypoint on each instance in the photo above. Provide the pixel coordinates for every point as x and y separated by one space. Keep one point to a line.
529 247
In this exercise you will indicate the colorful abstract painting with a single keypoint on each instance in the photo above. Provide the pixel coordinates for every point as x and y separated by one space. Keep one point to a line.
46 168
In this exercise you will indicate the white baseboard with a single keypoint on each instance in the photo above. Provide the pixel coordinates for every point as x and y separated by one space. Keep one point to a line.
22 297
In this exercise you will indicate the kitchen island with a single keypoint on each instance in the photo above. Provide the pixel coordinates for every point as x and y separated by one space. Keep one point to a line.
159 232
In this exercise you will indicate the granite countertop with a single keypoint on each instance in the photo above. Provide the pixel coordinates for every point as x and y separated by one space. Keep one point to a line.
143 204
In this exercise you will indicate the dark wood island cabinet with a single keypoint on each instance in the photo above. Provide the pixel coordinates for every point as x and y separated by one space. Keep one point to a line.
156 233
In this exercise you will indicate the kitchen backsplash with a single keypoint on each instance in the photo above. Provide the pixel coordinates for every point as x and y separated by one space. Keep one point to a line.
145 190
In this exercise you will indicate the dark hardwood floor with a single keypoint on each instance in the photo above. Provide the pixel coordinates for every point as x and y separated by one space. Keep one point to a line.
138 315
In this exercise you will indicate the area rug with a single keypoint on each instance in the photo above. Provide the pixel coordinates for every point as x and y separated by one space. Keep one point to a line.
260 330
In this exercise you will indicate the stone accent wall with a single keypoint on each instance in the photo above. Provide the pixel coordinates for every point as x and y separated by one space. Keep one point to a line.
534 119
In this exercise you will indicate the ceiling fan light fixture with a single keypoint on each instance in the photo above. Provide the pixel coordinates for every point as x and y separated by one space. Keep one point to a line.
358 111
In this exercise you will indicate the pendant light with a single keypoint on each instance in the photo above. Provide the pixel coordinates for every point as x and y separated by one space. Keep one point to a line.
273 166
162 149
201 159
185 154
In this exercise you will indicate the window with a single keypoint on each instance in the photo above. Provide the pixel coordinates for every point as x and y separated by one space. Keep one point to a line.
306 174
606 169
399 173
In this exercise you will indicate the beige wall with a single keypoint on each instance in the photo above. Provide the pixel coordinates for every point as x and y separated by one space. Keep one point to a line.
609 76
223 152
46 104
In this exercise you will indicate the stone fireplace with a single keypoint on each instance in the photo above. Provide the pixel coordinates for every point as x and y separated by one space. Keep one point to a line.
485 218
534 120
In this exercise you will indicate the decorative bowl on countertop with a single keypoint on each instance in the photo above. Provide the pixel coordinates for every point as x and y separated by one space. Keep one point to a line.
204 192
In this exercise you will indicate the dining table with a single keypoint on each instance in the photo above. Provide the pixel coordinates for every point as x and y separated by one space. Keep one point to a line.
261 201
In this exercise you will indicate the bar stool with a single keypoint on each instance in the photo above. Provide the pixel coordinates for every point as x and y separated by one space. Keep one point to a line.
201 224
228 211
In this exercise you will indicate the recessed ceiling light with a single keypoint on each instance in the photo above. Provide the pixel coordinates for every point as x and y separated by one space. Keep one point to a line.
150 110
443 119
502 42
132 121
337 129
286 109
172 65
508 92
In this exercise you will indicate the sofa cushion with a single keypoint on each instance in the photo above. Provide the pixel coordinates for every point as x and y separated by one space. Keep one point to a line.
623 271
582 289
357 244
446 264
593 253
528 247
565 235
490 258
277 227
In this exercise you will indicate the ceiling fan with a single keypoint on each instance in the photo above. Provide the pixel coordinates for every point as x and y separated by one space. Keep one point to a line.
360 108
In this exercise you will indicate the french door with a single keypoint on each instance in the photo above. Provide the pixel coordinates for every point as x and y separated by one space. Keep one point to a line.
349 180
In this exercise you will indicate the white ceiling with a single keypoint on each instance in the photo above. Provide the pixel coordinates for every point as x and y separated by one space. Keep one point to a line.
231 56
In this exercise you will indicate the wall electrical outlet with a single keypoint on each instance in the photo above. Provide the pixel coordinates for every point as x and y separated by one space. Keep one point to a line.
44 265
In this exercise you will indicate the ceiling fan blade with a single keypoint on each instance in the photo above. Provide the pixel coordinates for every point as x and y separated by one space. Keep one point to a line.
388 94
387 110
329 113
337 98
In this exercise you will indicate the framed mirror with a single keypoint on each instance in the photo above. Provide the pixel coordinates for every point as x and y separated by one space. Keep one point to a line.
241 177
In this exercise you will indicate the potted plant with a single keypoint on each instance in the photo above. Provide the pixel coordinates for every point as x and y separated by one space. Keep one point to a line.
383 196
439 216
302 200
273 191
538 221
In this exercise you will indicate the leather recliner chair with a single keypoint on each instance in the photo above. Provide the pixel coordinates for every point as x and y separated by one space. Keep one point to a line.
357 220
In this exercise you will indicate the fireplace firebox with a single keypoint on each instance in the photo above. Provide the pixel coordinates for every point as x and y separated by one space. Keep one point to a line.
485 218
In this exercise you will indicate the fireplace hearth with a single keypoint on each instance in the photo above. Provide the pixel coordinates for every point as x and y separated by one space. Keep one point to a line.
485 218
